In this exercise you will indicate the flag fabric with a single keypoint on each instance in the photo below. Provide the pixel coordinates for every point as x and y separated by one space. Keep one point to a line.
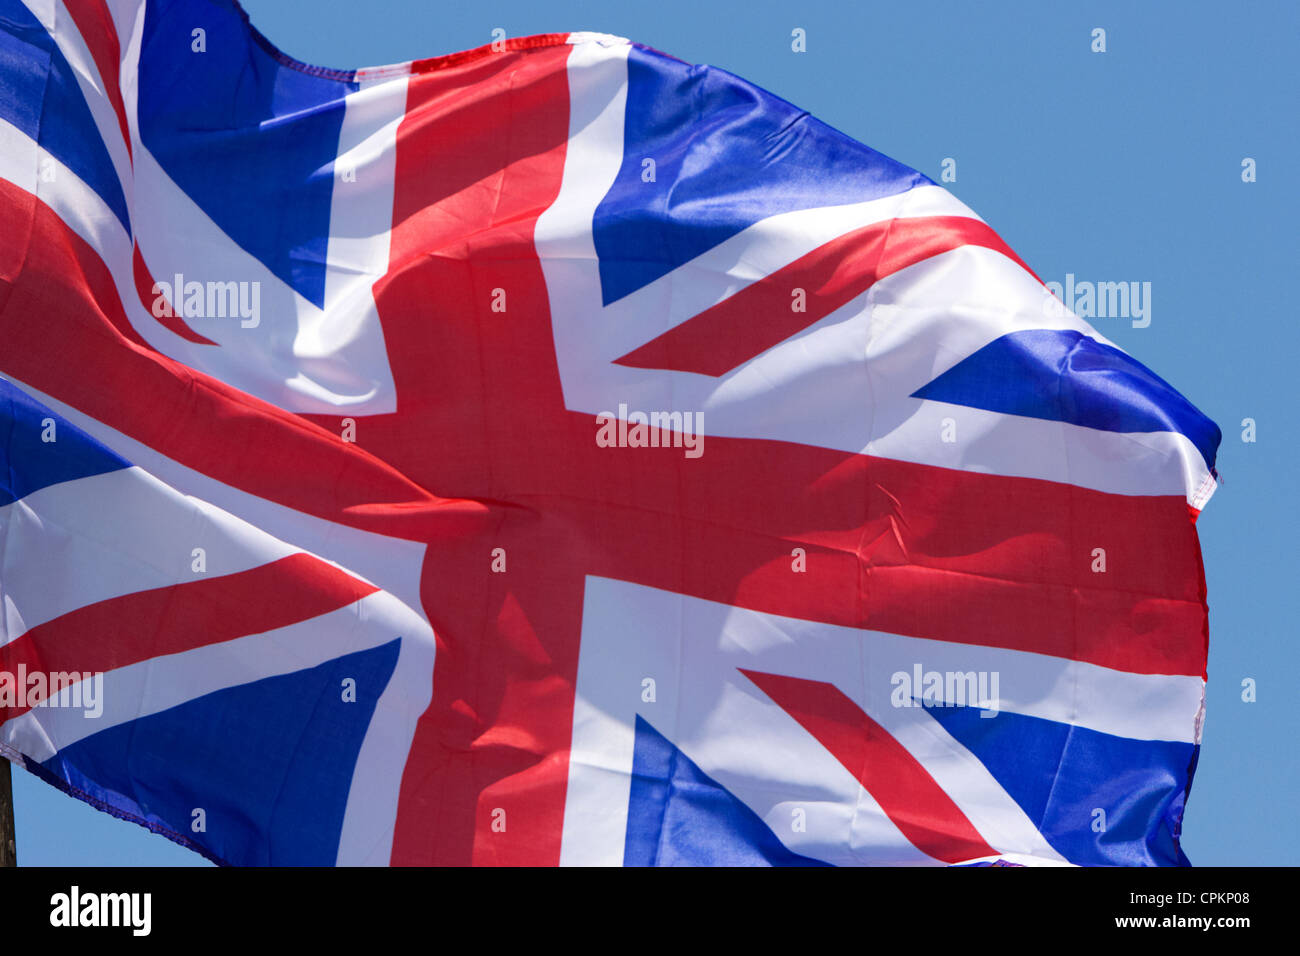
557 453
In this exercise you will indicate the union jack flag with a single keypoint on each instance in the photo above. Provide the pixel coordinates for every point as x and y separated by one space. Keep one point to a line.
556 453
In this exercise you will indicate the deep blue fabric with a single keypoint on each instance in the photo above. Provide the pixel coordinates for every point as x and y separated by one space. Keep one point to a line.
727 154
678 816
269 762
249 136
28 463
40 96
1060 774
1066 376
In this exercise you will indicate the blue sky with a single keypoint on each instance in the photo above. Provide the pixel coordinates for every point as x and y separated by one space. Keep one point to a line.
1115 166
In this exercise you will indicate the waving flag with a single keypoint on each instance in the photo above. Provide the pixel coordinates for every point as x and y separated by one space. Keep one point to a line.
558 453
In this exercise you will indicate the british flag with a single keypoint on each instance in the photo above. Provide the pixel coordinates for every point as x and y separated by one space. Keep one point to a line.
556 453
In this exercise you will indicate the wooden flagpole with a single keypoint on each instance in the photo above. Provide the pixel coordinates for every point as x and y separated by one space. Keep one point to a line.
8 853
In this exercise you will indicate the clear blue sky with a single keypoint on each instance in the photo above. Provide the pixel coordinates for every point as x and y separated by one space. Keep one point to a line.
1117 166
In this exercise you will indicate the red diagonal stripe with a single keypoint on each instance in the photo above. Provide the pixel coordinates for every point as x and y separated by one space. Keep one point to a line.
762 315
126 630
144 286
244 442
904 789
95 25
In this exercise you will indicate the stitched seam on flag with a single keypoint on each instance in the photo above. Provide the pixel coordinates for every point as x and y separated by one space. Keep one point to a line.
285 60
526 44
677 699
1176 830
1072 545
1204 491
861 808
698 111
852 553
